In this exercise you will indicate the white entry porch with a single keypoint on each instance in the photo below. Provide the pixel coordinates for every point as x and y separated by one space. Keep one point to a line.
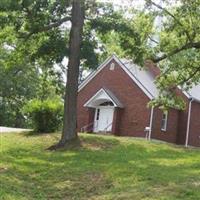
104 102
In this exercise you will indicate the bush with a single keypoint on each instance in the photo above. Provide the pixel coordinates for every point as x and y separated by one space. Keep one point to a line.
46 116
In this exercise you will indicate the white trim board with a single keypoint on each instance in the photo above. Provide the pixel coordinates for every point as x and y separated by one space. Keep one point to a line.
135 80
94 73
107 95
189 96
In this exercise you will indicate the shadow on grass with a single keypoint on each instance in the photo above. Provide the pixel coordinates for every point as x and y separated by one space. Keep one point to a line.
34 133
96 166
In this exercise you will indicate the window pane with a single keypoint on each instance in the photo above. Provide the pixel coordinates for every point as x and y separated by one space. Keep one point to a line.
164 122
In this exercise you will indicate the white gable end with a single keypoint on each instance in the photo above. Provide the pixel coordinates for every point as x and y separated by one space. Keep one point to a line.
102 96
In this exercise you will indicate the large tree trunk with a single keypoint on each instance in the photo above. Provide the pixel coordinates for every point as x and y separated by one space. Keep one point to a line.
70 108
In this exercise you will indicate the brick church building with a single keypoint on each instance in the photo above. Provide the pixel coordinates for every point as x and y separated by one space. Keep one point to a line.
113 99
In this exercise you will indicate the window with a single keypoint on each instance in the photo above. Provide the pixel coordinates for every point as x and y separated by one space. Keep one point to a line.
97 115
107 103
164 121
112 66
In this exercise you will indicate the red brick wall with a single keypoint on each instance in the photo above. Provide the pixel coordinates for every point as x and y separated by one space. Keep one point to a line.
134 117
170 135
116 120
194 136
182 126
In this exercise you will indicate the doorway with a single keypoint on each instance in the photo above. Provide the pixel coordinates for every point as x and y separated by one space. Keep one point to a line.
103 119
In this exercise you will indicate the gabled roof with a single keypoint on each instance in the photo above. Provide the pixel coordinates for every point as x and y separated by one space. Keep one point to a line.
94 73
195 92
101 96
143 77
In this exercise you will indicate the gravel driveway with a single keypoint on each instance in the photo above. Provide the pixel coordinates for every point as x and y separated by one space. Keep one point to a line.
8 129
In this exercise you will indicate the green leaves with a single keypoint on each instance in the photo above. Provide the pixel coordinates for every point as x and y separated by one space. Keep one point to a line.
46 116
176 49
36 30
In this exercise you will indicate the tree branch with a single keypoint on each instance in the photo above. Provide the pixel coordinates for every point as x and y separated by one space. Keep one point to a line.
50 26
171 15
56 24
153 40
190 76
195 45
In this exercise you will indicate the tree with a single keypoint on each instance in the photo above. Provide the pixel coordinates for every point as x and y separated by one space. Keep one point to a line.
21 81
70 108
41 35
77 18
178 52
14 90
174 45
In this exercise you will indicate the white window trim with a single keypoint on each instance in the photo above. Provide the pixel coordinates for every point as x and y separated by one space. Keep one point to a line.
166 122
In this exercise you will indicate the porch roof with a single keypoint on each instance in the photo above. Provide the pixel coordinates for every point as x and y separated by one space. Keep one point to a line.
102 96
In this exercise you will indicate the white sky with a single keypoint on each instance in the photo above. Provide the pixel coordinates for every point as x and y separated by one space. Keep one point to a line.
137 3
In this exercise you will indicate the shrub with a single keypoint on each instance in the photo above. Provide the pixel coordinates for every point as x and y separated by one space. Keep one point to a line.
46 116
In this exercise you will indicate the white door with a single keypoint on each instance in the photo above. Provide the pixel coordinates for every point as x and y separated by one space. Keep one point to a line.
103 119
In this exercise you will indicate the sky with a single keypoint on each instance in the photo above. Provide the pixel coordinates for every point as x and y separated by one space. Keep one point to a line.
137 3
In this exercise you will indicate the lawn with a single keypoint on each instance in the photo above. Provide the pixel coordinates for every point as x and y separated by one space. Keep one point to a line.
99 167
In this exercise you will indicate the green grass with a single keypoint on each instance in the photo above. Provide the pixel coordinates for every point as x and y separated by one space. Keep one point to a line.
100 167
